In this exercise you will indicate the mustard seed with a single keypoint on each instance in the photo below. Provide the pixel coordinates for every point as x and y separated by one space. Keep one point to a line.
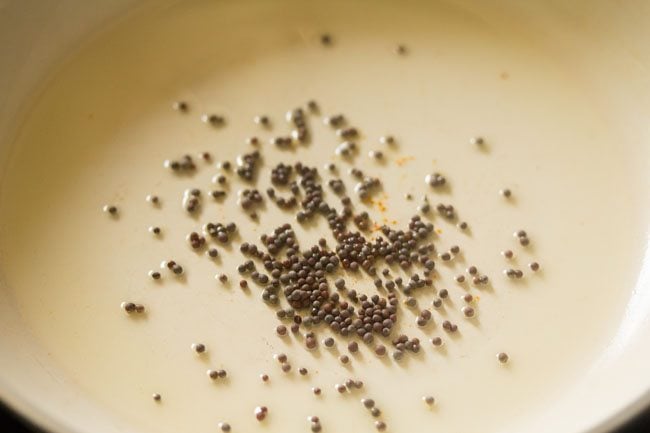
181 106
110 209
198 347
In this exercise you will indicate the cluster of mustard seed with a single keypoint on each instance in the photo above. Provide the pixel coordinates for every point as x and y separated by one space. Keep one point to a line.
312 280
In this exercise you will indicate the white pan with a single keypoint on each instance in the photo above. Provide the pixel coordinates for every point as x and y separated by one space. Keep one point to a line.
606 41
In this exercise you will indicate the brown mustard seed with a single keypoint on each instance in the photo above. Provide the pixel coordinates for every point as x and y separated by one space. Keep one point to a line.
129 307
468 311
156 396
380 425
303 371
260 412
224 426
505 192
181 106
502 357
262 120
110 209
264 377
429 400
198 347
436 341
281 330
477 141
344 359
213 119
534 266
281 358
316 390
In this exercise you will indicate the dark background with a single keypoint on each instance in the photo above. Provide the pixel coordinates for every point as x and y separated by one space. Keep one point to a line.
9 423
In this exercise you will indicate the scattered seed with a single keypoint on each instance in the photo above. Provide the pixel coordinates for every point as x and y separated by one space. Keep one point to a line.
477 141
155 230
110 209
198 347
260 412
181 106
503 357
468 311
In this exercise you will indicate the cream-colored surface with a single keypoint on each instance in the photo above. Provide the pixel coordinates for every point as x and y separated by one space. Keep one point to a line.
101 130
